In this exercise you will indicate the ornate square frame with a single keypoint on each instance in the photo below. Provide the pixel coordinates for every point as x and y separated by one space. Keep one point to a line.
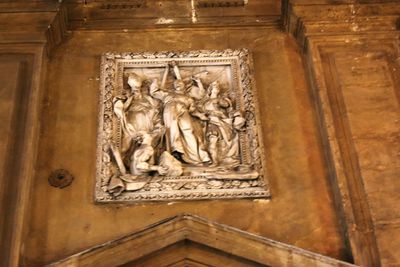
252 183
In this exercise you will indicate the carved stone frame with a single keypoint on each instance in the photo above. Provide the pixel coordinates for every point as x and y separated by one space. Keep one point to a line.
252 152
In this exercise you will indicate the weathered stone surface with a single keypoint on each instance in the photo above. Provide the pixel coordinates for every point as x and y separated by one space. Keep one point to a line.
356 82
20 68
33 22
301 211
351 54
171 13
208 243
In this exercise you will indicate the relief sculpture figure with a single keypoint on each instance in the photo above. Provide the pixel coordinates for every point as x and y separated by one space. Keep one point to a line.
137 112
222 124
142 159
172 127
184 135
141 127
183 130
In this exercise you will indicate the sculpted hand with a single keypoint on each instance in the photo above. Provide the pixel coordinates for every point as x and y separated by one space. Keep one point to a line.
196 79
162 170
202 117
154 85
121 97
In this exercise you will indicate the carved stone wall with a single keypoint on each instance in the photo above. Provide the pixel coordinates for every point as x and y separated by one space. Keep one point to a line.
331 145
16 69
361 86
301 211
185 165
352 57
27 32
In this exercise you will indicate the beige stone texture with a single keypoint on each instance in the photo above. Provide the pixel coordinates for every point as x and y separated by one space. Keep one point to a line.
301 211
327 74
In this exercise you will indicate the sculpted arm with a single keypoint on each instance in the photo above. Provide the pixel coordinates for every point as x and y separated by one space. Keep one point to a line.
156 92
146 167
195 112
155 89
119 106
140 162
225 102
199 84
128 102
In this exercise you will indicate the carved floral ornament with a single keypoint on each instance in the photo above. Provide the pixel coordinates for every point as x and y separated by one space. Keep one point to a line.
178 126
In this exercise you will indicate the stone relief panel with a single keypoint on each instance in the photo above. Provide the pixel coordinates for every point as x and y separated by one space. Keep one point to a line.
178 126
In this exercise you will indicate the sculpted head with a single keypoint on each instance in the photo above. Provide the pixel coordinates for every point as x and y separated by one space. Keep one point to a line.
179 85
134 81
214 88
143 138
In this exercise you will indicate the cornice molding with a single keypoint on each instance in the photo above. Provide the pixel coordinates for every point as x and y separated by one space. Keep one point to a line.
146 14
322 18
33 22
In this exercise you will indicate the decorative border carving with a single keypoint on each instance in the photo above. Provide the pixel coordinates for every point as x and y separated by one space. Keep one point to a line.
182 187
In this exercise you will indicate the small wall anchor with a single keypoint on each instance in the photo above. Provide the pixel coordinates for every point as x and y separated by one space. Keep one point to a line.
60 178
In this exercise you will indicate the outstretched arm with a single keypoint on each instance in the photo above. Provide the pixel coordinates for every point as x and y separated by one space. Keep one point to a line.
155 90
176 70
164 80
199 84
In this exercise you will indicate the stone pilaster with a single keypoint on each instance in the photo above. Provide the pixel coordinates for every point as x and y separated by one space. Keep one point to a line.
352 54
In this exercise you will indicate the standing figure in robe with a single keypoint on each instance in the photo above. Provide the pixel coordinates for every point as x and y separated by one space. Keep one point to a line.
184 135
223 143
137 112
